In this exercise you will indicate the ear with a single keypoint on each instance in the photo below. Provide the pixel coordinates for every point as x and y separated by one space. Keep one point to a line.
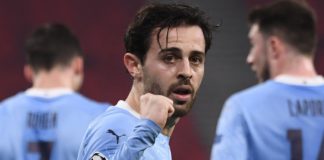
276 47
77 65
133 65
28 73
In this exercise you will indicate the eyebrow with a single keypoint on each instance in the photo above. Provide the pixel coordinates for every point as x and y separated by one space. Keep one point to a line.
177 50
172 49
198 53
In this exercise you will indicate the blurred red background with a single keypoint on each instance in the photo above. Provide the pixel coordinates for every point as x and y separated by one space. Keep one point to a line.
100 25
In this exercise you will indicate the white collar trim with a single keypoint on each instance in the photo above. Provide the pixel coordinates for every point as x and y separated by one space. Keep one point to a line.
302 81
124 105
48 93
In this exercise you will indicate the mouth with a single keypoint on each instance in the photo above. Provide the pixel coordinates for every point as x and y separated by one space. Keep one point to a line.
182 94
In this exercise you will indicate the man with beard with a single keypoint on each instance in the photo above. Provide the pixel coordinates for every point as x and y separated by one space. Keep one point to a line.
165 54
282 117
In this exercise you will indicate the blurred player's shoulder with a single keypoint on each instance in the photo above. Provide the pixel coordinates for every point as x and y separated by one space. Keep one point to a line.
17 98
73 101
256 91
87 102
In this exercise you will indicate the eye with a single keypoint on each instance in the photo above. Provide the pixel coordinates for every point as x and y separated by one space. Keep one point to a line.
196 59
169 58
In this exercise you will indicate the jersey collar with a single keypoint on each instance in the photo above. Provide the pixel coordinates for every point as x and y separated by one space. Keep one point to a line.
302 81
124 105
48 93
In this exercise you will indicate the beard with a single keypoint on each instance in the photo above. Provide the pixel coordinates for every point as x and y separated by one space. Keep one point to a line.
265 74
181 107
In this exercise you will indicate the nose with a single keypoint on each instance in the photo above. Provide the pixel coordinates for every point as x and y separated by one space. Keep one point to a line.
185 70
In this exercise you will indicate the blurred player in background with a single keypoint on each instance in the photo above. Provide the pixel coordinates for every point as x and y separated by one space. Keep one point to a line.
48 120
166 47
283 117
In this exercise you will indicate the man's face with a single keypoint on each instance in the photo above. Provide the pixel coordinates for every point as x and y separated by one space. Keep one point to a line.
257 57
176 68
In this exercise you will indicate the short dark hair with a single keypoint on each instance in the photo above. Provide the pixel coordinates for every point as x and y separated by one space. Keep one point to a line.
293 21
156 15
51 45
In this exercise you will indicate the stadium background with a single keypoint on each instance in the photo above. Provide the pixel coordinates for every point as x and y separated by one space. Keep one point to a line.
100 25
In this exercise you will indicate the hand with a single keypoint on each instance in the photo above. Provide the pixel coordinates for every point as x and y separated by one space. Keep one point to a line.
156 108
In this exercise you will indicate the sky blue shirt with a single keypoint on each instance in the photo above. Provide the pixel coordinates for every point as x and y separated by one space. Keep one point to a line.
37 124
274 120
6 150
120 134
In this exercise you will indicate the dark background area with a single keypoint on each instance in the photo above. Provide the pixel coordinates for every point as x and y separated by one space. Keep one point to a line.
100 25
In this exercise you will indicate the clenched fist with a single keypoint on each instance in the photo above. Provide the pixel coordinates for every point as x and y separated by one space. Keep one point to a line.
156 108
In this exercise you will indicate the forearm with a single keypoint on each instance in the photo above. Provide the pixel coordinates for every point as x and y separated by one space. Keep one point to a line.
143 137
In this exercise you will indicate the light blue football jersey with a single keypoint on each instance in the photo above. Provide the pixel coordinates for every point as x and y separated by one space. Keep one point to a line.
120 134
39 126
6 148
275 120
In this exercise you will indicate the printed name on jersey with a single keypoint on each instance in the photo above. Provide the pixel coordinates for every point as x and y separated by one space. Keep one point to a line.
114 134
306 107
98 156
42 120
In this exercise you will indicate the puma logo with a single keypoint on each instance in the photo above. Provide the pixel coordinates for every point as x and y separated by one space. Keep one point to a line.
117 136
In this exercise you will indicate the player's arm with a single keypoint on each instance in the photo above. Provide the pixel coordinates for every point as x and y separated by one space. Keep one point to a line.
141 138
99 145
155 110
230 141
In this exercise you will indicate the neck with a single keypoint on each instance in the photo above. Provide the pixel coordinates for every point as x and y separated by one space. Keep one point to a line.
54 78
169 128
299 66
133 99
